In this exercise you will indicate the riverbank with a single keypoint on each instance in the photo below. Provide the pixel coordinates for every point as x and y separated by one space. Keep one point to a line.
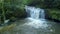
6 29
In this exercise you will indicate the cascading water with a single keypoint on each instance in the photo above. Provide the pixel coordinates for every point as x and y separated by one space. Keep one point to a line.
35 13
42 13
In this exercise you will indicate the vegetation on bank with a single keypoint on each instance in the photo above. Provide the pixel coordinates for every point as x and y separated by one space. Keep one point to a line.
10 9
54 14
5 29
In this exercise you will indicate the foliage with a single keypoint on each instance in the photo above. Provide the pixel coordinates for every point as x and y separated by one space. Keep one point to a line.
12 8
45 3
54 14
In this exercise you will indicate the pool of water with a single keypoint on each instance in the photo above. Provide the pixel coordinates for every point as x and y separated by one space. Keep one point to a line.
37 26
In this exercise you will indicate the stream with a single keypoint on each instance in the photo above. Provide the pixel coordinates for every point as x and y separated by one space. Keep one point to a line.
35 23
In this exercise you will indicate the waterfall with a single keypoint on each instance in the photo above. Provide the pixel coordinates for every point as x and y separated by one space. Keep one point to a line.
42 13
35 13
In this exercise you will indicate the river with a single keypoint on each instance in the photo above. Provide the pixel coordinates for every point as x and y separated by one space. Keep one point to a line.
41 26
35 23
